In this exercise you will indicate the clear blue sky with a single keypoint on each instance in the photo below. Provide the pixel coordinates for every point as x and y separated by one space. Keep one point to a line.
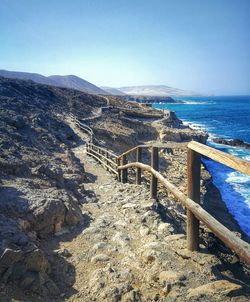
201 45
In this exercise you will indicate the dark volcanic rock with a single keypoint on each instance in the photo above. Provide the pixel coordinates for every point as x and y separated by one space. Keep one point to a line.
232 142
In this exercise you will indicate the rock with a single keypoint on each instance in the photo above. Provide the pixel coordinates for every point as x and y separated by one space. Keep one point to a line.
36 261
100 258
48 212
150 205
27 280
171 277
144 231
231 142
131 296
150 218
154 245
165 228
170 135
52 288
121 239
9 257
175 237
63 252
73 213
100 245
221 287
52 172
129 205
170 120
184 253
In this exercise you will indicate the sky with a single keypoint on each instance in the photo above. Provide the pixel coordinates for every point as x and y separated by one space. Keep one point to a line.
203 46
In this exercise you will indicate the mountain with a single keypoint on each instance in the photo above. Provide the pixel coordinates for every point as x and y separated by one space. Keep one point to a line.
155 90
74 82
68 81
113 91
38 78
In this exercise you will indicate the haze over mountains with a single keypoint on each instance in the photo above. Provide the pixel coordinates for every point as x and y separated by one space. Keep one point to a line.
74 82
155 90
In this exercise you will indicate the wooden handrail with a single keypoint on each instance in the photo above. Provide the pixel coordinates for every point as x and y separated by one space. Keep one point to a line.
159 146
103 156
104 150
102 162
221 157
132 150
236 244
85 126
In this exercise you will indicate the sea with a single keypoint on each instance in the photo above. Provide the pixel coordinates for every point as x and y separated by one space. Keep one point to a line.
225 117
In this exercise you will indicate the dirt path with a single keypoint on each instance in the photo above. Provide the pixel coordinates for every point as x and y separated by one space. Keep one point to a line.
128 253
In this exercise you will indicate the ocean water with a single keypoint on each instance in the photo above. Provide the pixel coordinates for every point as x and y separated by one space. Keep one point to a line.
227 117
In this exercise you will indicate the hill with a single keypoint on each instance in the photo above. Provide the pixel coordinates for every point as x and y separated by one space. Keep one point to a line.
155 90
68 81
112 91
36 77
74 82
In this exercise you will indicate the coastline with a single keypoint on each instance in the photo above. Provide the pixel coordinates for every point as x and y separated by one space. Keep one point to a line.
213 200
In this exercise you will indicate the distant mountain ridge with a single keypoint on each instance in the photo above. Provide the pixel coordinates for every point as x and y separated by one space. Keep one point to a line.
36 77
74 82
155 90
68 81
113 91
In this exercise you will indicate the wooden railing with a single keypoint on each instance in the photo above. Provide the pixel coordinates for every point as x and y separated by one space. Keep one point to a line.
83 127
107 158
120 166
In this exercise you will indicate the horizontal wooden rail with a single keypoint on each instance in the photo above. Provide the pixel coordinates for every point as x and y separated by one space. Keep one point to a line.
236 244
132 150
85 126
103 156
221 157
102 162
181 146
104 150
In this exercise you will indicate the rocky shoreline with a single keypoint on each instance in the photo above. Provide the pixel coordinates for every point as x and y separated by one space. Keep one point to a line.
231 142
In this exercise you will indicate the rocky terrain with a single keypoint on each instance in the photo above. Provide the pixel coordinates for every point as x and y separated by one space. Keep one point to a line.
71 232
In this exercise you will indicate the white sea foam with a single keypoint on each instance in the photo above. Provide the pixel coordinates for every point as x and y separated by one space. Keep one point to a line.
197 103
238 178
195 126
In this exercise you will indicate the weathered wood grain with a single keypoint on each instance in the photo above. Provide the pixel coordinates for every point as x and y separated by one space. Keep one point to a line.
221 157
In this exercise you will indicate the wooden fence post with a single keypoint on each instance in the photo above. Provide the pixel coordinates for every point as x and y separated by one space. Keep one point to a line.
193 175
155 166
118 161
138 170
107 156
124 171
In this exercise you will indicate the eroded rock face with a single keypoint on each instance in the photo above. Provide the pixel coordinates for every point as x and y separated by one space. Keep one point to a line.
170 128
42 182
